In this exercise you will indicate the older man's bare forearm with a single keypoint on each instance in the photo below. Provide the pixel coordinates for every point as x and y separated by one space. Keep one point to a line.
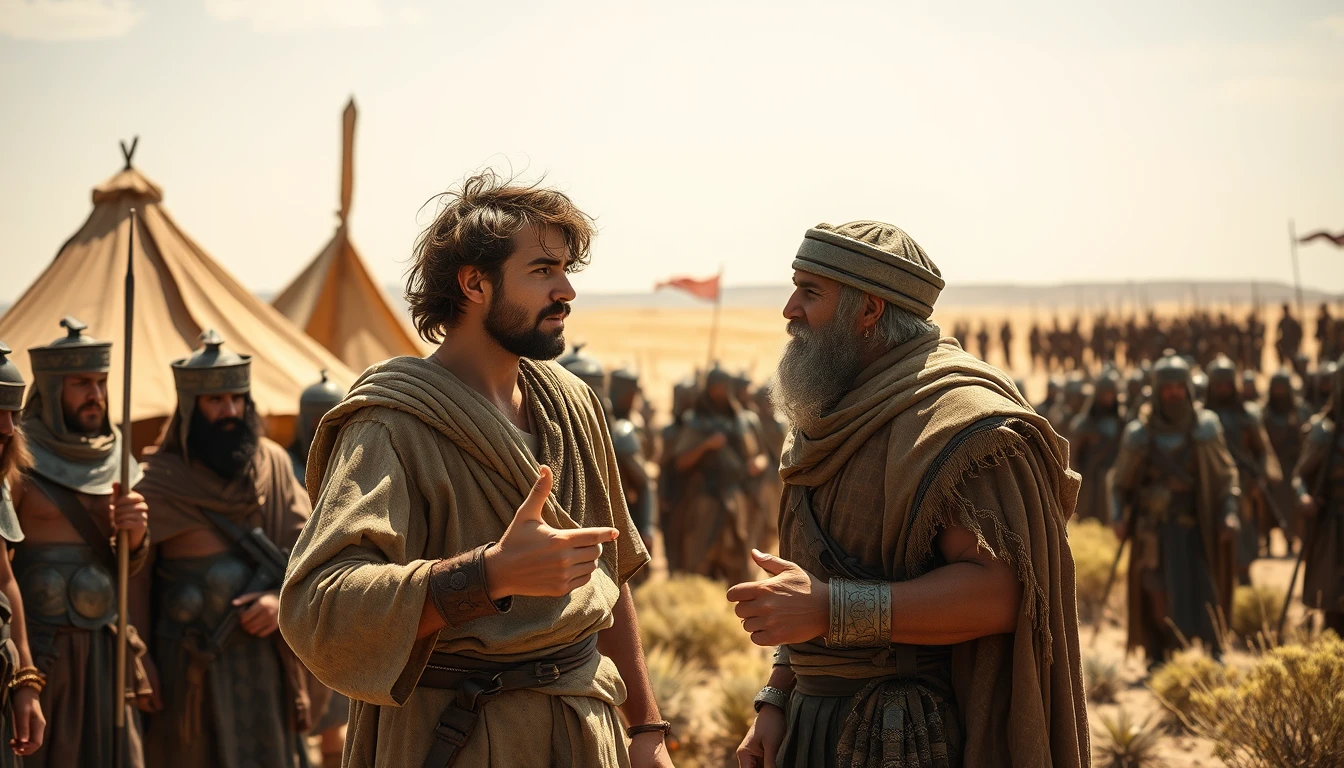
958 602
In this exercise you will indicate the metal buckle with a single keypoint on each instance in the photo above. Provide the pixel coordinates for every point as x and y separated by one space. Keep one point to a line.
545 673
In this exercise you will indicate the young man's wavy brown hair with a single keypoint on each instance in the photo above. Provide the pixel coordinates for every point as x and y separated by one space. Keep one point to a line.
475 228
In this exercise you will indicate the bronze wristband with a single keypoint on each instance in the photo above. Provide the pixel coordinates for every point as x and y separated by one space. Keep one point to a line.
457 587
860 614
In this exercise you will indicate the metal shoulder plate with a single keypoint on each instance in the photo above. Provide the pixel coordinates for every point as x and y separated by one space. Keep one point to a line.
625 438
1322 430
1207 426
1136 436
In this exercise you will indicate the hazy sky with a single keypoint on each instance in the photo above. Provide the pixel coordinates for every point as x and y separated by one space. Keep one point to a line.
1032 141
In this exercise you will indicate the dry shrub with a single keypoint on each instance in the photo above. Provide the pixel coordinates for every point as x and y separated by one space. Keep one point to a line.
690 616
672 679
741 676
1101 679
1124 743
1094 546
1287 709
1255 609
1175 681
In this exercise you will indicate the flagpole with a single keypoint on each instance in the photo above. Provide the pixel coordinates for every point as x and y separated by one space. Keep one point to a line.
714 323
1297 275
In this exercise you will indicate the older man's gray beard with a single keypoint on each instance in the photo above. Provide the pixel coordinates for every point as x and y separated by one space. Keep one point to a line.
817 370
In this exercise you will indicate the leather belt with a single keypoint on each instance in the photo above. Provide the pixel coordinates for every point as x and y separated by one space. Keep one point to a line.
476 681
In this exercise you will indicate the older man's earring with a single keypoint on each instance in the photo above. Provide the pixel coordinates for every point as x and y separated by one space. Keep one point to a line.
868 334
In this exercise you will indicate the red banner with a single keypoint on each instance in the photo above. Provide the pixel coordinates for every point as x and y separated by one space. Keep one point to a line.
1321 234
707 288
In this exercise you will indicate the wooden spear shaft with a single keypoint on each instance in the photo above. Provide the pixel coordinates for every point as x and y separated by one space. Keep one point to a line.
123 544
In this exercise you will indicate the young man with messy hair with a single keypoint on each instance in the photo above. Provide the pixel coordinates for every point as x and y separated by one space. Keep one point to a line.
463 578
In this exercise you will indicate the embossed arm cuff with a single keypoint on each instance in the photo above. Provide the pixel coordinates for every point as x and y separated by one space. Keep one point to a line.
860 614
457 587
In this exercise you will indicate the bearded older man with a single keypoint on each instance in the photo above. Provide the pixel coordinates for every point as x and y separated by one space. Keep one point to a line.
923 601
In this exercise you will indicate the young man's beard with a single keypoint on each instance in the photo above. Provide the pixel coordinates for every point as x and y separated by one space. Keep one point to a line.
817 370
509 325
225 447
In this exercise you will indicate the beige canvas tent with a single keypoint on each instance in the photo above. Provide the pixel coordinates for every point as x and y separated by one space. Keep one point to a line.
336 301
180 291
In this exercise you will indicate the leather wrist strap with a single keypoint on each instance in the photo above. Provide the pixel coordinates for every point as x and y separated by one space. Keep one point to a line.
662 725
457 587
775 697
860 614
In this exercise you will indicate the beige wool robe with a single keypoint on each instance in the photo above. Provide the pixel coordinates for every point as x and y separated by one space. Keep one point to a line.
1018 698
413 467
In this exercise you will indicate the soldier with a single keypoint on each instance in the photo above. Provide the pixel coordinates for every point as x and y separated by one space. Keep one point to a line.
626 393
1318 481
1325 327
718 459
1036 347
625 439
773 431
227 508
1175 491
1322 384
590 372
1284 417
982 341
314 402
1289 340
1053 386
70 505
1094 442
670 486
760 523
1250 387
1006 341
1257 466
21 683
1137 393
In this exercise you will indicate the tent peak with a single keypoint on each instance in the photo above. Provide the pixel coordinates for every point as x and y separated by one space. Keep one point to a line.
128 183
129 153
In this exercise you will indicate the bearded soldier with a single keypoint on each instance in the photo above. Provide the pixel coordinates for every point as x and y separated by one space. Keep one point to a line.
70 505
925 577
718 458
21 683
464 576
1284 417
226 507
1175 492
1257 465
314 402
1094 442
1318 481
